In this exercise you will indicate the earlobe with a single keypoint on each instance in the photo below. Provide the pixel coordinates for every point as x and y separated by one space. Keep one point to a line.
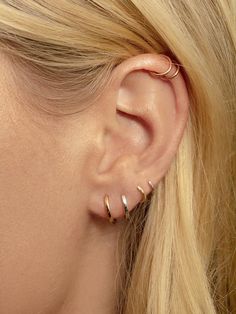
125 203
148 113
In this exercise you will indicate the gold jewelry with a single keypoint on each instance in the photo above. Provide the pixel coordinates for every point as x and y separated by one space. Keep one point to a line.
174 74
151 185
143 193
124 201
164 75
167 71
107 205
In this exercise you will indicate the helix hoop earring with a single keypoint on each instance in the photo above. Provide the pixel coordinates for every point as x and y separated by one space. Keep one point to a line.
143 193
167 71
176 72
107 205
173 75
125 204
164 75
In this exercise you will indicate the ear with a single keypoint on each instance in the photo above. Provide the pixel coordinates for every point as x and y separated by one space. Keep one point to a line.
143 122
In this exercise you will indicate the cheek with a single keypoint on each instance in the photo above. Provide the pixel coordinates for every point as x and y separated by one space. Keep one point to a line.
33 270
38 235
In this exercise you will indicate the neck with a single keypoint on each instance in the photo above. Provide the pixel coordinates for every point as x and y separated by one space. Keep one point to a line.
93 289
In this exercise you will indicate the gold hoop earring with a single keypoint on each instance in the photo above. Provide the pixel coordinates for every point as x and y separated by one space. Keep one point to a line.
151 185
164 75
174 74
124 201
143 193
167 71
107 205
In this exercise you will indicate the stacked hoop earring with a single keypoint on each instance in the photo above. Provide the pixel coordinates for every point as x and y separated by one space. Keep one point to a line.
125 203
165 75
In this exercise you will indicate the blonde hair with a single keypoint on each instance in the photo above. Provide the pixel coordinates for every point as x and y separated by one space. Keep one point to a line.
177 255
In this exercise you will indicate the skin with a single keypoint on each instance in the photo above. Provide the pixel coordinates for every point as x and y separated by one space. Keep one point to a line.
57 247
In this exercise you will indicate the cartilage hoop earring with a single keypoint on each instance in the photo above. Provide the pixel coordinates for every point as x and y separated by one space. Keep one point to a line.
124 201
167 71
164 75
174 74
107 205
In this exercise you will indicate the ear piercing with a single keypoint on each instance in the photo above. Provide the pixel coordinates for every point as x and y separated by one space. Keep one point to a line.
125 203
151 185
164 75
144 196
107 205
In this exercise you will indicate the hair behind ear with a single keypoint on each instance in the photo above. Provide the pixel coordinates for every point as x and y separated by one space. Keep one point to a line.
165 246
186 239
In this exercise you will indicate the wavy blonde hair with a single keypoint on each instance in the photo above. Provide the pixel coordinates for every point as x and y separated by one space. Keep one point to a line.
178 254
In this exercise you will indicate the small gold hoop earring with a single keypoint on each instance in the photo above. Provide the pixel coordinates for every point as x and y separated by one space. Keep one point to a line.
174 74
143 193
124 201
167 71
107 205
151 185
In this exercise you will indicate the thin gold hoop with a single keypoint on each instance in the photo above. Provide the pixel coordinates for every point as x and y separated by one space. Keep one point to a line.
174 74
143 193
124 201
167 71
107 205
151 185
